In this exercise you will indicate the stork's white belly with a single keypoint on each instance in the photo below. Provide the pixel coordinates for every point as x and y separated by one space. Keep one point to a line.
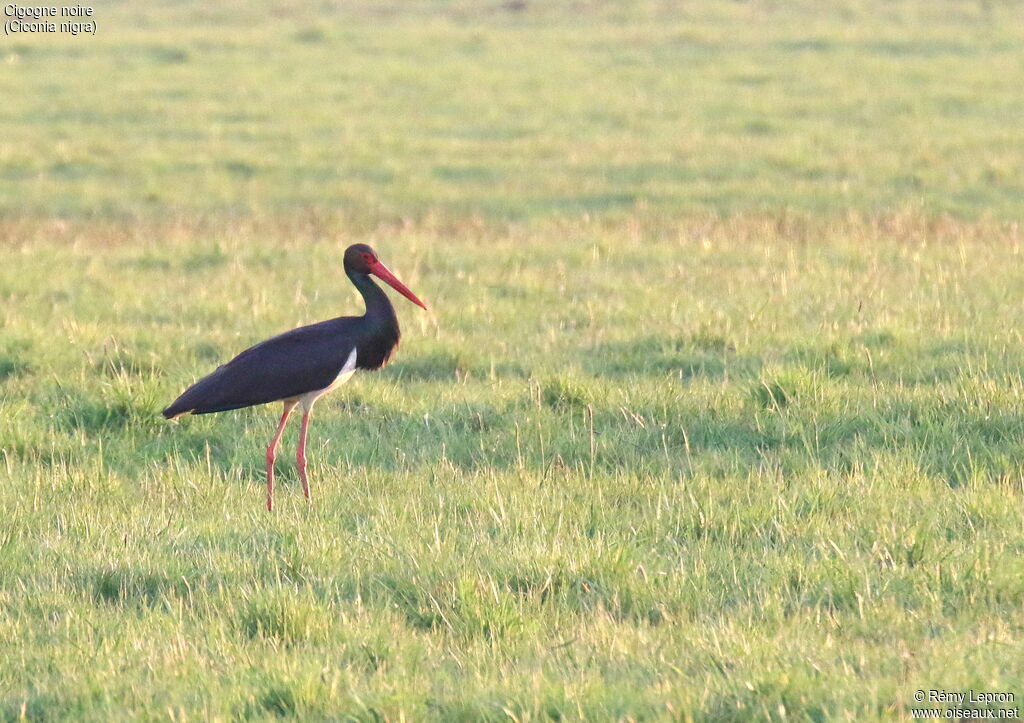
309 398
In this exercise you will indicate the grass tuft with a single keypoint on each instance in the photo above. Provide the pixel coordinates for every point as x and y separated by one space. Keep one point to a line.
286 616
565 393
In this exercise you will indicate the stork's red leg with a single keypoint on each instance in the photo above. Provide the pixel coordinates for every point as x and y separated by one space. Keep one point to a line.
272 453
300 453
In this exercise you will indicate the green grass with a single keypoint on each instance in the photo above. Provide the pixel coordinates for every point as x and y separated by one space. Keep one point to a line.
465 109
717 414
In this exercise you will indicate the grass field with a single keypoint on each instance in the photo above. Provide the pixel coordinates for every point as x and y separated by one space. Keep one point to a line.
717 414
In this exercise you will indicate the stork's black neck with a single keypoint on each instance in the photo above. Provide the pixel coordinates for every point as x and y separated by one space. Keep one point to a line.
380 324
378 305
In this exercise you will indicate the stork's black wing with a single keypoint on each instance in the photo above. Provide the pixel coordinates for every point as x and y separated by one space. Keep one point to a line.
288 365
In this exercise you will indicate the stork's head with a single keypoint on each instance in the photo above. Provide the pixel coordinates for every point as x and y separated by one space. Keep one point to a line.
361 259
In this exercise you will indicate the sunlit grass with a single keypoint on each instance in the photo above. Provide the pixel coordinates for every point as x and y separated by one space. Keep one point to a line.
474 109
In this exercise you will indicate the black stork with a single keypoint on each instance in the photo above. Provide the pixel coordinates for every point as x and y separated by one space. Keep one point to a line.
301 365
